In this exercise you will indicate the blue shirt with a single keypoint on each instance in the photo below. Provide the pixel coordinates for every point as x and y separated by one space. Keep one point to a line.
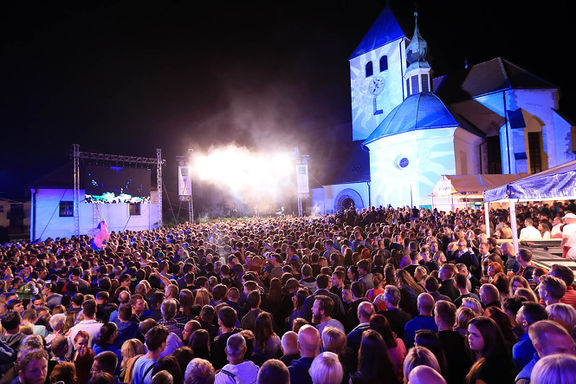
523 351
416 324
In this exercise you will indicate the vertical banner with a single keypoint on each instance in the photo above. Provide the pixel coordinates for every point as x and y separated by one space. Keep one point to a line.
184 182
302 180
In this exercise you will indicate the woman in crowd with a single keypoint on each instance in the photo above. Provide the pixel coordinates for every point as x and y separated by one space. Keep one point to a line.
374 364
267 343
493 353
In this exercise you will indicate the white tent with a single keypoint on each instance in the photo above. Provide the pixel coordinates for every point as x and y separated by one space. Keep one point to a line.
558 183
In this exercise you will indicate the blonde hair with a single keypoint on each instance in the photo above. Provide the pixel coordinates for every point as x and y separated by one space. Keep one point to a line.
563 314
419 356
463 316
554 369
202 297
473 304
334 340
199 371
527 293
131 348
326 369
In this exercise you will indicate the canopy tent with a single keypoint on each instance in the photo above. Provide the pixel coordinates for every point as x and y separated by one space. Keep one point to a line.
554 183
557 183
479 183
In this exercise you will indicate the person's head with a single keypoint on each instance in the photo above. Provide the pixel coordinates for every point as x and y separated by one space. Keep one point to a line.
424 374
227 317
554 369
365 311
162 377
236 348
199 371
131 348
326 369
156 338
445 314
391 296
65 371
529 313
33 367
108 334
59 345
263 329
253 299
425 304
563 314
418 356
273 371
169 308
308 341
104 362
102 378
11 321
548 337
322 308
81 340
564 273
333 340
89 309
289 343
373 359
551 289
485 337
489 293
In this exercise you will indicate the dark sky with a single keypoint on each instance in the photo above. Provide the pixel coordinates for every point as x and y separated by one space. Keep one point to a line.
127 77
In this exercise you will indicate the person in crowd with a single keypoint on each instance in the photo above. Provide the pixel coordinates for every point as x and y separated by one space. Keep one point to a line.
199 371
523 350
273 371
326 369
374 364
424 320
396 316
289 348
238 369
155 343
548 338
322 313
365 312
309 347
493 357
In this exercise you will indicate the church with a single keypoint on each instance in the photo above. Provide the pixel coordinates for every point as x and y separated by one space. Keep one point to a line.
494 118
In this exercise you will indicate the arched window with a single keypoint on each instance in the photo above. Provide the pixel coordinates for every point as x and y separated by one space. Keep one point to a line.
369 69
383 63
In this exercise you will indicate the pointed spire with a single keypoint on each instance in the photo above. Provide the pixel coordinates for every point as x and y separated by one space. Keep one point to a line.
417 50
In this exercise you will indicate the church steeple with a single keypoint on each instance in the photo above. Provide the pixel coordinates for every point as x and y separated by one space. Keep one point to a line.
417 77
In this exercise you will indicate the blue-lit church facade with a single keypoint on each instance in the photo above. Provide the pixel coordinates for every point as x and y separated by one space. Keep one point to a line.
491 118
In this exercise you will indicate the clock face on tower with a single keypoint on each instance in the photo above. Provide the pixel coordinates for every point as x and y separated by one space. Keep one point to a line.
376 86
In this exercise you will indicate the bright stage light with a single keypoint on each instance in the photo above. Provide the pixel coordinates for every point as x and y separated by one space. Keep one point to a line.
251 177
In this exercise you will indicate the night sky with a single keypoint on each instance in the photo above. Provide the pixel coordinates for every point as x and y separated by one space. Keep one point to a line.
127 77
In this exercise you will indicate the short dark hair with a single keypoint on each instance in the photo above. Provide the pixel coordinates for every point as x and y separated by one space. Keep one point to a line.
563 272
107 360
156 336
273 371
89 308
253 299
534 312
322 281
125 312
431 284
227 316
11 320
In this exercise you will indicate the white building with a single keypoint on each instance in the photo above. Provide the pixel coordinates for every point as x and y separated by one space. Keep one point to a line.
492 118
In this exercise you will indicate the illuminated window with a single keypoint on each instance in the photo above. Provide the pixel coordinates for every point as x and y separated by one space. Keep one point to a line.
408 87
66 209
134 209
425 87
414 81
369 69
383 63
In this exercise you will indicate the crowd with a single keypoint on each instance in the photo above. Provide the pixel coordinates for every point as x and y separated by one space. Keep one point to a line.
379 296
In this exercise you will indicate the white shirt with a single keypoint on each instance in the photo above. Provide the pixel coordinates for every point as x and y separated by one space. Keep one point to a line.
530 233
569 233
90 326
244 373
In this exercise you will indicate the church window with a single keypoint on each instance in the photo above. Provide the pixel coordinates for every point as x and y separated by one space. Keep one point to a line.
425 87
534 144
383 63
369 69
414 85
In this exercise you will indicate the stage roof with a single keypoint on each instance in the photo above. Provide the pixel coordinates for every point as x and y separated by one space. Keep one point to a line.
554 183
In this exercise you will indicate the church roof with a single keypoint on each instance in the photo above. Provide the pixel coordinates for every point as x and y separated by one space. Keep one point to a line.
384 30
487 77
417 112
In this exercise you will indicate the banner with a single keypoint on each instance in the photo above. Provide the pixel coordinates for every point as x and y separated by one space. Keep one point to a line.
302 180
184 182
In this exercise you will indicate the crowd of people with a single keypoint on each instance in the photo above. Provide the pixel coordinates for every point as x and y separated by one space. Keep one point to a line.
378 296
